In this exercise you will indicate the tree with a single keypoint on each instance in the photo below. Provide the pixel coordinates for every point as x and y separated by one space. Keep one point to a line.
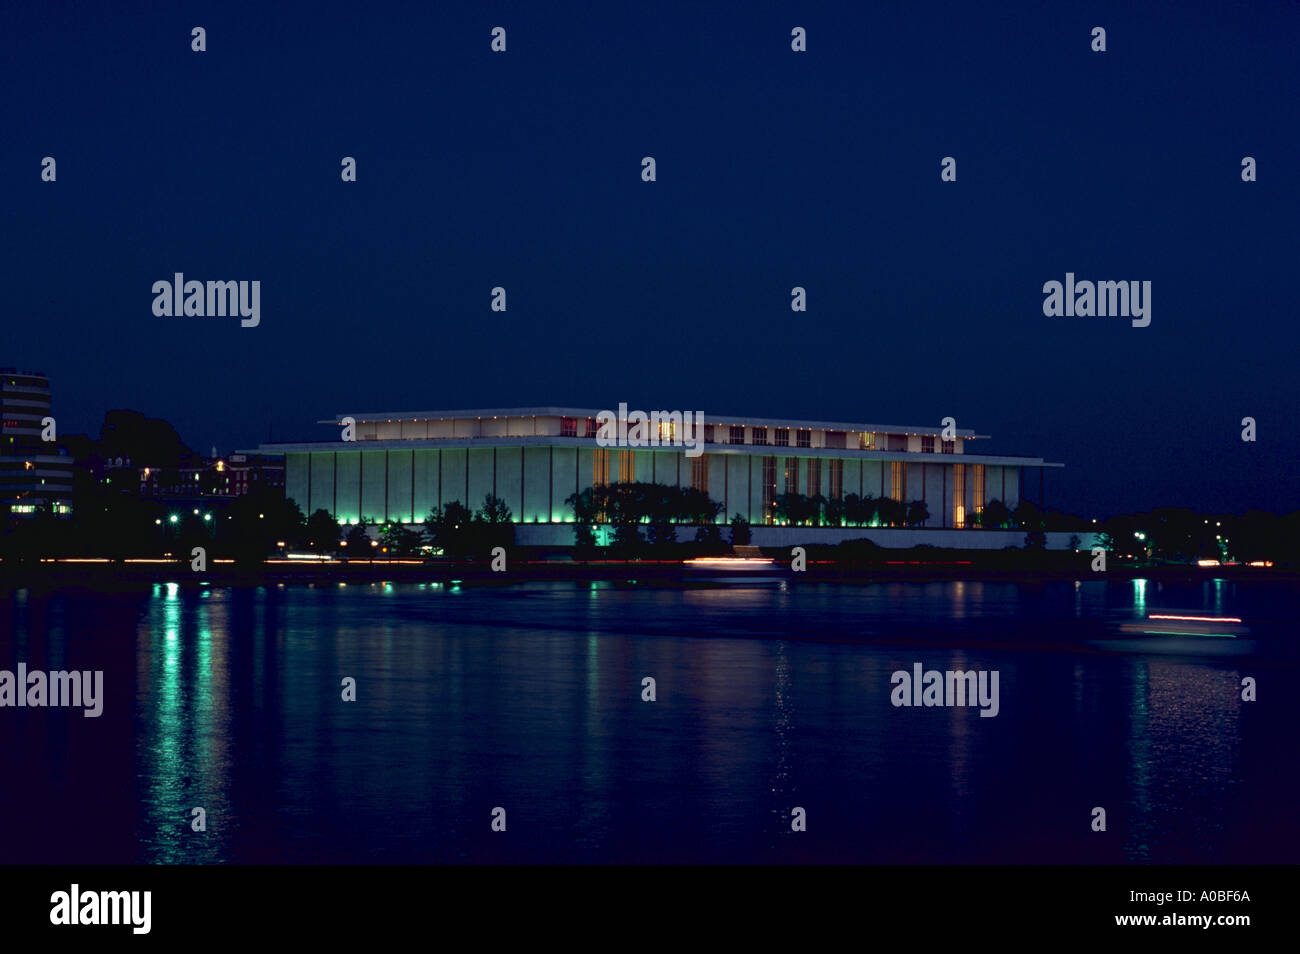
258 521
891 512
813 510
494 510
626 505
641 513
194 531
627 541
447 528
740 532
852 510
40 534
859 511
1179 535
699 508
584 510
834 512
662 507
492 527
399 539
708 538
358 541
322 531
145 441
917 513
1026 516
798 509
786 508
995 515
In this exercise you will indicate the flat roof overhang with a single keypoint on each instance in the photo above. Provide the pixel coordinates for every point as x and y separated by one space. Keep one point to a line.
393 417
743 450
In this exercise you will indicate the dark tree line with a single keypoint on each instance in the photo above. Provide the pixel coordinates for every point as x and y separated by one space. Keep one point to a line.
644 518
1178 535
118 524
852 510
461 534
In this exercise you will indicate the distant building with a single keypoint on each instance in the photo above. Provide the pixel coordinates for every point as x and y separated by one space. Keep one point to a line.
235 476
33 473
250 472
401 466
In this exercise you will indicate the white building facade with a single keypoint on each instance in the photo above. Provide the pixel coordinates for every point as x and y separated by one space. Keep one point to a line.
399 467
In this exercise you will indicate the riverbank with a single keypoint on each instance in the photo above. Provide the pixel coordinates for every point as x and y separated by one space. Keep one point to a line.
902 566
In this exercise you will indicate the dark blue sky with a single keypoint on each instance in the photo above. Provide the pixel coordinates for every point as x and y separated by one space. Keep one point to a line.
775 169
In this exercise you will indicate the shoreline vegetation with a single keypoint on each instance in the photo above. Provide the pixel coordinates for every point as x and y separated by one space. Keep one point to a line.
647 533
919 565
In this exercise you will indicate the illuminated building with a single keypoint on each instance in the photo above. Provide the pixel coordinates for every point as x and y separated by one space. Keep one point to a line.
400 466
34 473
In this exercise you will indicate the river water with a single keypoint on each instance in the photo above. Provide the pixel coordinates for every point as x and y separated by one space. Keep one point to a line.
768 698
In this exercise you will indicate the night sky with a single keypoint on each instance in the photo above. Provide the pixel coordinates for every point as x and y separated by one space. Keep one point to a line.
775 169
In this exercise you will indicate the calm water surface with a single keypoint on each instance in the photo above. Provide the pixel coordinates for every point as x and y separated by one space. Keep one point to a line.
529 698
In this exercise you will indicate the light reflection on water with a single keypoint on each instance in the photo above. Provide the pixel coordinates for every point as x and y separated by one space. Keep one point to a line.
530 698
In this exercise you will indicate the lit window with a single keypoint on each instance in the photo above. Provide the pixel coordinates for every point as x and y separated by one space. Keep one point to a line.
958 495
769 487
700 473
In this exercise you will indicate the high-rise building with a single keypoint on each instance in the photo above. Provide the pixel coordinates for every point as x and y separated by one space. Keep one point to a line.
33 472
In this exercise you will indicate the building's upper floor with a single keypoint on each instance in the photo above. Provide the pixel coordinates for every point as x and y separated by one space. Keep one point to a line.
232 476
664 428
17 381
24 404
